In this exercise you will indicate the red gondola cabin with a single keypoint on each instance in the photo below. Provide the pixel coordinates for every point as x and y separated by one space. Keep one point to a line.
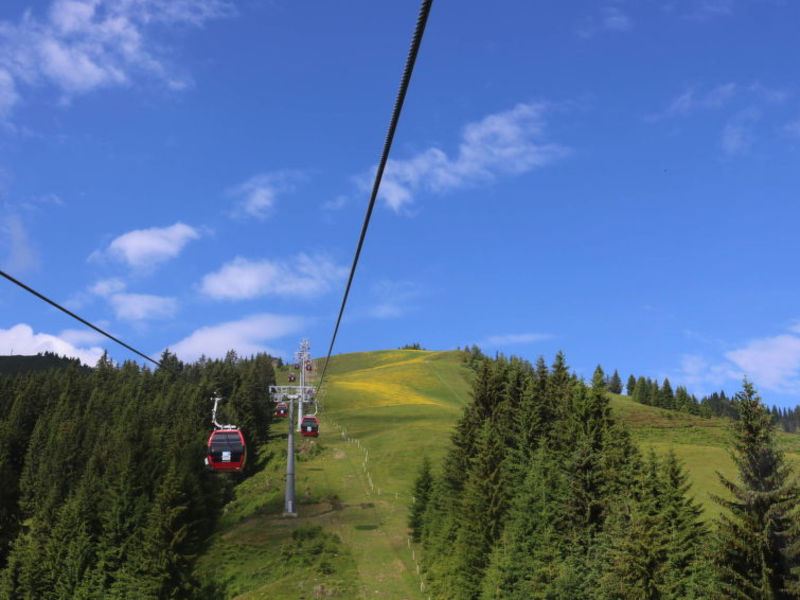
292 377
226 450
308 366
282 410
309 426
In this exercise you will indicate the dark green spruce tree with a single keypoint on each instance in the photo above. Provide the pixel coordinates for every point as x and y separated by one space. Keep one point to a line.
422 492
615 383
758 550
631 385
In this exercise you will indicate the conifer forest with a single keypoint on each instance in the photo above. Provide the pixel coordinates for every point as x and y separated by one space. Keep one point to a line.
543 495
103 490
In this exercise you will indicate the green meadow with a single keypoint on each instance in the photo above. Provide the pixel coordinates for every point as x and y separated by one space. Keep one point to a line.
380 413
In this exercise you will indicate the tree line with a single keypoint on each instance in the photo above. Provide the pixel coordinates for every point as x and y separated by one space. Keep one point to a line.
103 490
543 495
648 391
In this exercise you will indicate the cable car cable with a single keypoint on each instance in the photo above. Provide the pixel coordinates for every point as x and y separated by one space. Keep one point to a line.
416 40
74 316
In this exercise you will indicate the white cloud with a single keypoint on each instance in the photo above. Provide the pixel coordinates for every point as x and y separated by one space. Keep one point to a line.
256 197
20 339
303 276
337 203
508 142
144 248
516 338
703 376
692 100
17 253
612 18
615 20
792 128
134 307
738 134
141 307
78 337
395 298
768 94
772 363
106 287
8 93
707 9
83 45
246 336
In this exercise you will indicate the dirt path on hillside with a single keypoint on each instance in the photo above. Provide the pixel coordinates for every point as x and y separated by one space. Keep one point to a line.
372 526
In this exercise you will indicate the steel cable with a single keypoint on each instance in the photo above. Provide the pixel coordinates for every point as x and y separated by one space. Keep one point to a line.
74 316
416 40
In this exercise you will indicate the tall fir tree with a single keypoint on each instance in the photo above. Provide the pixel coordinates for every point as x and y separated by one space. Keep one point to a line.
615 383
667 396
422 492
758 549
631 385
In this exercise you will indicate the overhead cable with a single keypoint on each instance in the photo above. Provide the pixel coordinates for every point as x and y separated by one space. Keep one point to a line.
74 316
416 40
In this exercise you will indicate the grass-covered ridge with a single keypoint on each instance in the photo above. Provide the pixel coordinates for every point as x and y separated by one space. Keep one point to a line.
381 413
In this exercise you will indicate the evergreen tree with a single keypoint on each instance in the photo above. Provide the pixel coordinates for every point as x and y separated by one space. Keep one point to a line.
599 377
653 392
631 385
422 492
615 383
687 571
482 512
667 395
758 550
641 392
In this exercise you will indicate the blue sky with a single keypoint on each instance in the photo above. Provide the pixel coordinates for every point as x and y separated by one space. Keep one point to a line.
615 179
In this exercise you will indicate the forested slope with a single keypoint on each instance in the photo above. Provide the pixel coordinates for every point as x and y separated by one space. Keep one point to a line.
103 491
104 494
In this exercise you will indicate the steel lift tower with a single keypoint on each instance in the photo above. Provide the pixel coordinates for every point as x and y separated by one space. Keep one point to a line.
290 393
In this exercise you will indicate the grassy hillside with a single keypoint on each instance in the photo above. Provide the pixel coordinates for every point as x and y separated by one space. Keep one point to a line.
382 412
702 444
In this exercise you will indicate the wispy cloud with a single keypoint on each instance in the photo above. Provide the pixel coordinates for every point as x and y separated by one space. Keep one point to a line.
516 338
693 100
8 93
134 307
143 307
17 253
792 128
145 248
82 45
246 336
704 10
106 287
256 197
611 18
394 298
772 363
738 133
704 376
242 279
337 203
20 339
504 143
78 337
